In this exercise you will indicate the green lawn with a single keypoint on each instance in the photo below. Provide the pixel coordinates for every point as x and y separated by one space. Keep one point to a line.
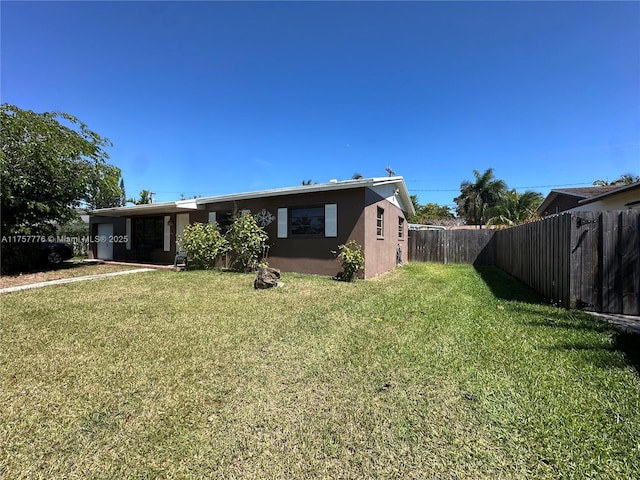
431 371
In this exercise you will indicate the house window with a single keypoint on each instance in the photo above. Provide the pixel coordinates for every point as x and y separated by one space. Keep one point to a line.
148 231
380 222
306 221
400 228
224 220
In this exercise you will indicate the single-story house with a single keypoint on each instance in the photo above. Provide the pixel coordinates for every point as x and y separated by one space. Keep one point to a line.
613 197
305 224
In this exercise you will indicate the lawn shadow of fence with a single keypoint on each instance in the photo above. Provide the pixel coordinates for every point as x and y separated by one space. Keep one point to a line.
506 287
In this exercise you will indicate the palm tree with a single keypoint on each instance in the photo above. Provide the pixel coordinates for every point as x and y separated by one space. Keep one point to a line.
514 208
477 198
626 179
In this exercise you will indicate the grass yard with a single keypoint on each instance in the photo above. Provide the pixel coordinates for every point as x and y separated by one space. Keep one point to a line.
430 371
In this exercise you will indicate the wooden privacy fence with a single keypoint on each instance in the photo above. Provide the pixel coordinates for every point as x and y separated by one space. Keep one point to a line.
452 246
539 255
587 260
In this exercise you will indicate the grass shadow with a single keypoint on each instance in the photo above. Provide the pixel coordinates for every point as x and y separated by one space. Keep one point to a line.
49 267
506 287
629 344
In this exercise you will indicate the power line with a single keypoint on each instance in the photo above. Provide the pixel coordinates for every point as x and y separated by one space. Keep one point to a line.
515 188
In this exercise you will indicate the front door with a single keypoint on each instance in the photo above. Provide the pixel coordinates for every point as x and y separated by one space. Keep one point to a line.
105 241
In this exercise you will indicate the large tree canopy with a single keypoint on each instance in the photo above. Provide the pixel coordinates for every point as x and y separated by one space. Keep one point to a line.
515 208
429 213
51 163
489 201
477 198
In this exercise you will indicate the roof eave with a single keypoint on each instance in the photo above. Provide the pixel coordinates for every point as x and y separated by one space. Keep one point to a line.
610 193
199 203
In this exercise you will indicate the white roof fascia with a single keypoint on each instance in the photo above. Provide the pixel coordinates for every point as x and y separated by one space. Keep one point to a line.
198 203
146 208
319 187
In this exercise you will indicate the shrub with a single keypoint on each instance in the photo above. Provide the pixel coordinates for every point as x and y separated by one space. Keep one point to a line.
77 233
19 257
246 242
204 245
352 260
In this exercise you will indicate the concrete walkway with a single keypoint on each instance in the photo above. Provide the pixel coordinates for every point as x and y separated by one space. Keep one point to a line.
62 281
629 323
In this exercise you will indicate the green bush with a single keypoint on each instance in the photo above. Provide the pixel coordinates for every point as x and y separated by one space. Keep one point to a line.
20 257
352 260
204 245
78 235
246 242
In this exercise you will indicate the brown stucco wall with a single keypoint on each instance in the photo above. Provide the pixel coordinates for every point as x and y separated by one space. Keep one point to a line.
380 252
306 254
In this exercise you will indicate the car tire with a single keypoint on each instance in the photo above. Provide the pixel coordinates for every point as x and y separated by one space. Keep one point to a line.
54 257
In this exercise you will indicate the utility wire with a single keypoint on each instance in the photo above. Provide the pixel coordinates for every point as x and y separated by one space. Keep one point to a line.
515 188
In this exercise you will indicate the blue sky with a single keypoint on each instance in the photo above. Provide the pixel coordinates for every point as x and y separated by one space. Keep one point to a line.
207 98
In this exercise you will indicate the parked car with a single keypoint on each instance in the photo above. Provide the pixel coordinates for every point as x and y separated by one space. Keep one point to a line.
56 252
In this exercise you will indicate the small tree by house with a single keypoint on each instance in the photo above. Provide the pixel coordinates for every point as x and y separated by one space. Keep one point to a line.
352 260
246 241
204 244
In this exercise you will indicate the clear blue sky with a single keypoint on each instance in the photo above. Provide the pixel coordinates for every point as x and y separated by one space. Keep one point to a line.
210 98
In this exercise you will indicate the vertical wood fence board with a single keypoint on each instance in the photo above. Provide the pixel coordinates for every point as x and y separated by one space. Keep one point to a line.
611 267
630 264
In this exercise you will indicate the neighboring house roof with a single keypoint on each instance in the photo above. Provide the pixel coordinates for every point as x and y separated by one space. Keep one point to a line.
571 197
618 190
198 203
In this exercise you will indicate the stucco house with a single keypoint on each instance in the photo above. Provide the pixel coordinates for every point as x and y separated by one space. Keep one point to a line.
305 224
616 197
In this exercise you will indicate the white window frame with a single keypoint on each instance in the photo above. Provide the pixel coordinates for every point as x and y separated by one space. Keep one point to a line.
380 222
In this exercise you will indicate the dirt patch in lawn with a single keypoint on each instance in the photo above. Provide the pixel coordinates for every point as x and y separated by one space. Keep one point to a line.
65 270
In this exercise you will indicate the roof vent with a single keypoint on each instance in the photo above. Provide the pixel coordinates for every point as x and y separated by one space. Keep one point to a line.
333 180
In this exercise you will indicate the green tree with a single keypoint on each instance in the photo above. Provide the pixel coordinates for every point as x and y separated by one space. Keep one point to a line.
352 260
477 198
123 193
626 179
246 242
107 188
204 245
144 199
429 213
414 201
50 163
514 208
